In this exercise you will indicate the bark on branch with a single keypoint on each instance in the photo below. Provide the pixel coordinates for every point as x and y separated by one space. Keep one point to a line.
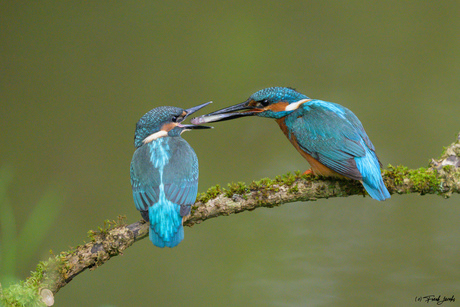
442 177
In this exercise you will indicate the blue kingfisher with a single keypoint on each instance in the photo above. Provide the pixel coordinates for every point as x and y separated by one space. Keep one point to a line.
164 172
329 136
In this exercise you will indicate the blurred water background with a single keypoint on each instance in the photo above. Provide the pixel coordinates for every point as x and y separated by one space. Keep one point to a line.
76 76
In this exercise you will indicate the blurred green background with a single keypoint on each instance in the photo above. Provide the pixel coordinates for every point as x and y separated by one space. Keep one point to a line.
76 76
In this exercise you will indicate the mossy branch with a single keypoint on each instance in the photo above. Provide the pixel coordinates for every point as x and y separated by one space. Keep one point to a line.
441 177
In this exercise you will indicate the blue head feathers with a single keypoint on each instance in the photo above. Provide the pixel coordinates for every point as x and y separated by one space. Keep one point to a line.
155 120
277 94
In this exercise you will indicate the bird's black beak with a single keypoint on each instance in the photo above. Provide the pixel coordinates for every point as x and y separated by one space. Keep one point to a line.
227 113
189 127
191 111
194 109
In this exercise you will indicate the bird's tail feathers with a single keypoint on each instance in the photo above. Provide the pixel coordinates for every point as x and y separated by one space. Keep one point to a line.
165 224
174 241
369 167
379 193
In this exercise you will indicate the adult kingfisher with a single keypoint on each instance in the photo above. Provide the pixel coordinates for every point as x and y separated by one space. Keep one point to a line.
329 136
164 172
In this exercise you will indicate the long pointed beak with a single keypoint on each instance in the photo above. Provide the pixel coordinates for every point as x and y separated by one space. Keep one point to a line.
194 109
227 113
191 111
189 127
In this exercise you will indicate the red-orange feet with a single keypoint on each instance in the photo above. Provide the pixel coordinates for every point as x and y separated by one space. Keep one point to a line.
308 172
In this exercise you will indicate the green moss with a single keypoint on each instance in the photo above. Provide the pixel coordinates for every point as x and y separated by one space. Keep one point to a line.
193 207
447 168
397 173
21 294
423 180
353 187
108 225
263 183
239 188
287 179
308 176
211 193
294 189
265 186
26 293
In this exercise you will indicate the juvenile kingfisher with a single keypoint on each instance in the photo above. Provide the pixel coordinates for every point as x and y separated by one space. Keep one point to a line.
164 172
329 136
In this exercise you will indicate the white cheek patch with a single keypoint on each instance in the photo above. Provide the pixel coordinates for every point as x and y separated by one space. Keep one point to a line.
155 136
295 105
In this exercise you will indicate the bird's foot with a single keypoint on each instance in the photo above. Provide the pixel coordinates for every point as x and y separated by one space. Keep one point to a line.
308 172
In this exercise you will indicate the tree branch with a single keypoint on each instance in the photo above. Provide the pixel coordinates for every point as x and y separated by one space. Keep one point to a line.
442 177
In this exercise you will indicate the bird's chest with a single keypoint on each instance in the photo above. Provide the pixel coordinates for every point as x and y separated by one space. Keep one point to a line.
285 124
282 123
291 137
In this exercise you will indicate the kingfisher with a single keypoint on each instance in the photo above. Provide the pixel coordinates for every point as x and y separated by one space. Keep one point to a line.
329 136
164 172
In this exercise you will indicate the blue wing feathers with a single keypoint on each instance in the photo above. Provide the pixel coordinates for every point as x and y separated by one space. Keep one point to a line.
181 197
138 201
346 166
334 136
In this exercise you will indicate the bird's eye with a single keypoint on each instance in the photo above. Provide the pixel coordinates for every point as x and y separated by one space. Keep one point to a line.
177 119
265 102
